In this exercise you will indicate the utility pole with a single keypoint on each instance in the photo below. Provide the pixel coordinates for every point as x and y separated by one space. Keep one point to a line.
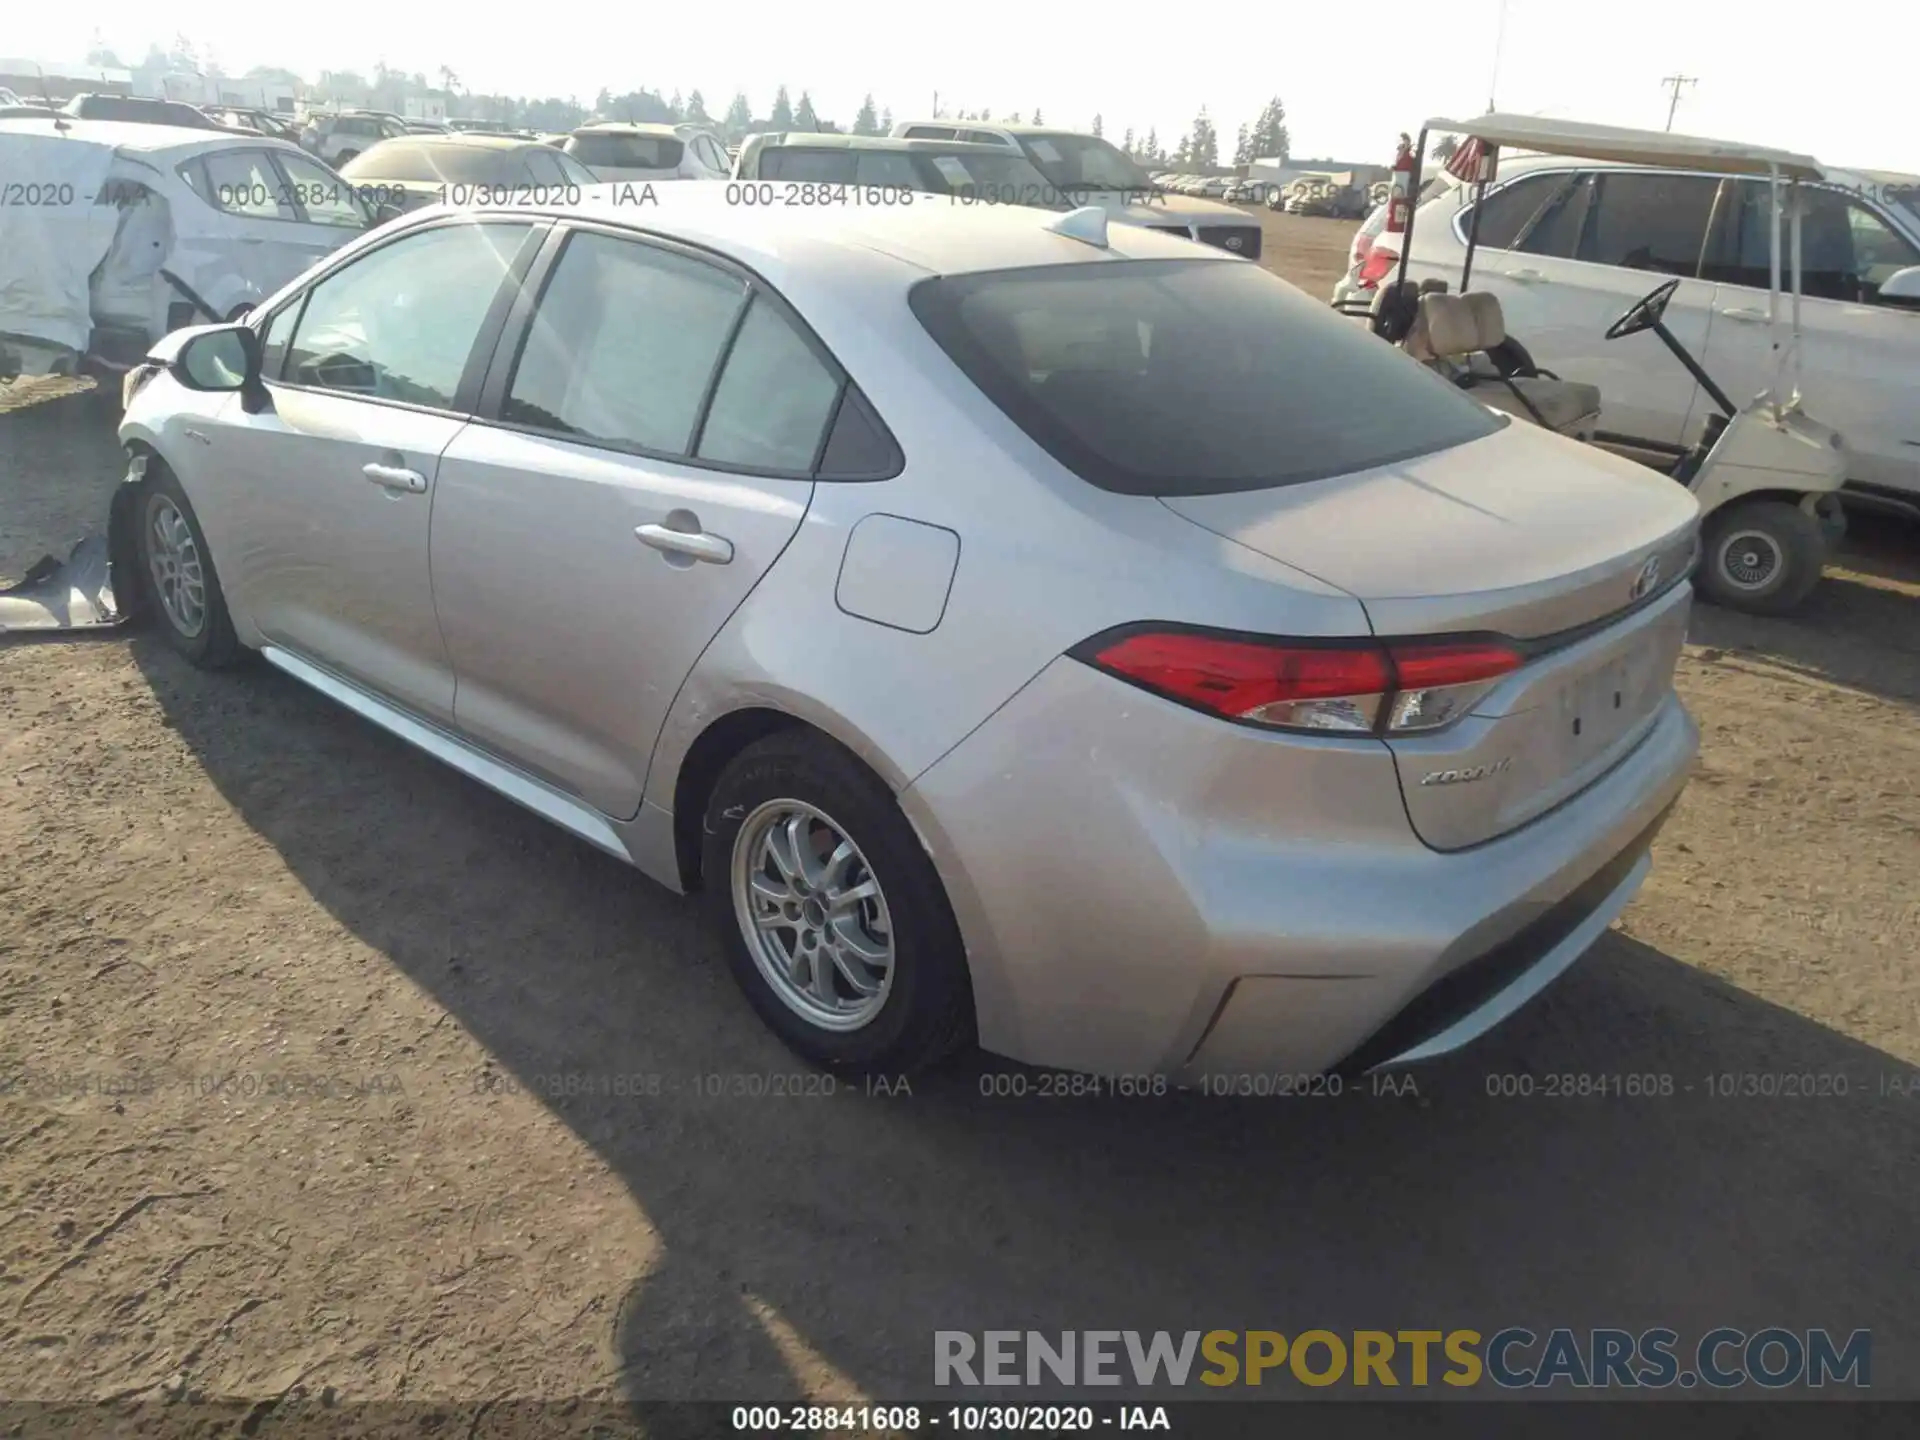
1674 82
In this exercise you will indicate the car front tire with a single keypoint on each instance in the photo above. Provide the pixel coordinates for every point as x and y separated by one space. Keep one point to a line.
177 573
833 919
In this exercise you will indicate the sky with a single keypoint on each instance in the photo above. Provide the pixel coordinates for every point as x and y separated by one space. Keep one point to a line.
1840 92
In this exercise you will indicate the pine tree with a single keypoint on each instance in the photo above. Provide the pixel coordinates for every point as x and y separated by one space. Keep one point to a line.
782 116
803 116
1126 141
1096 125
1269 138
886 122
1036 117
866 122
739 115
697 109
1203 146
677 106
1153 150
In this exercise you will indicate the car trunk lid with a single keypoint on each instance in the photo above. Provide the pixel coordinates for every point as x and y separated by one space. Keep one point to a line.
1574 555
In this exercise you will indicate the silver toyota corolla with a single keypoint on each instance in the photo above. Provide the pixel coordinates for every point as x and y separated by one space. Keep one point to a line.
1077 640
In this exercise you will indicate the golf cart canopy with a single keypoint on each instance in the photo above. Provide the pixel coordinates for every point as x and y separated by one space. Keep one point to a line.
1631 147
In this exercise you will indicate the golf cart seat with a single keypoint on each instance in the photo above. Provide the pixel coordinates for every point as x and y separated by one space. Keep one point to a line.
1469 333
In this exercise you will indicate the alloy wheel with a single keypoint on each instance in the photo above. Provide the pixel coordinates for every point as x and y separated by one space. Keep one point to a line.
173 559
813 915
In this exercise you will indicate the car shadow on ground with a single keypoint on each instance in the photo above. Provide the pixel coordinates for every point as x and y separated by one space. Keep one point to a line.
814 1240
1859 628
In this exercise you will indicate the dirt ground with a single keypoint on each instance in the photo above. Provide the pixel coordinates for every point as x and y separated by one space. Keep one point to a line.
289 1015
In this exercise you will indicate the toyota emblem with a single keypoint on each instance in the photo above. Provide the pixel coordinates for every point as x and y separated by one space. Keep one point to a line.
1648 577
1234 242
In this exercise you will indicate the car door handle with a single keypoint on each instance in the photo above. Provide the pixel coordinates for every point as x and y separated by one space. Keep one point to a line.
1527 275
395 477
697 543
1750 317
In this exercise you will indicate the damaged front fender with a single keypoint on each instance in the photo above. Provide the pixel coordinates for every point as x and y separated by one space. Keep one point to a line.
97 586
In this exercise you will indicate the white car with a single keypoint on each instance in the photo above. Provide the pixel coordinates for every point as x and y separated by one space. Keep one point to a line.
337 138
617 151
137 230
1567 245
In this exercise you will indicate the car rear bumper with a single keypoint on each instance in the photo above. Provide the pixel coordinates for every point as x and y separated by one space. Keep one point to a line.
1146 890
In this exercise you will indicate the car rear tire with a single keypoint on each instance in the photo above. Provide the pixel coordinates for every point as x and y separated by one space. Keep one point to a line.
176 571
1762 556
834 921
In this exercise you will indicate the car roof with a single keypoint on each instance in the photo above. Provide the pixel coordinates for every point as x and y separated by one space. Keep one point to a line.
1581 141
781 241
135 137
458 140
833 140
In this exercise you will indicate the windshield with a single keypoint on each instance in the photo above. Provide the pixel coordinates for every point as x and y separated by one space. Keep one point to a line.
434 164
1155 377
1080 162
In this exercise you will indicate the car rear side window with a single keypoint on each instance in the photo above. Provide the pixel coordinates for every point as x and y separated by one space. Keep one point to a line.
1654 221
774 398
1189 377
1509 212
244 182
399 322
623 345
818 167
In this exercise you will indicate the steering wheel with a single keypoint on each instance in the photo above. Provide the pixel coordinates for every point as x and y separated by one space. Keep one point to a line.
1644 313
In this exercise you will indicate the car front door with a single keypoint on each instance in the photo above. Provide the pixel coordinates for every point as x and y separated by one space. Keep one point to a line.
1859 355
327 491
643 454
1599 241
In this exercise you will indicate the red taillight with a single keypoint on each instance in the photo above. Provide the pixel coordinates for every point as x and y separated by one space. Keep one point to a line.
1377 266
1363 688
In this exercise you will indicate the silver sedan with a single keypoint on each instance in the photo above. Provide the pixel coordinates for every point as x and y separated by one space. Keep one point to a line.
1073 640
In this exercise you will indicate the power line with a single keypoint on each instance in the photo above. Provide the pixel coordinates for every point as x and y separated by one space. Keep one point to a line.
1674 82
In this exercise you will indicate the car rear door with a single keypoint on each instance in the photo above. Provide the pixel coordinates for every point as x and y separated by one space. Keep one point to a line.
1859 356
263 236
323 497
643 454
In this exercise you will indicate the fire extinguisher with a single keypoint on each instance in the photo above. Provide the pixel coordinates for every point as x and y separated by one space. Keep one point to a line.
1400 192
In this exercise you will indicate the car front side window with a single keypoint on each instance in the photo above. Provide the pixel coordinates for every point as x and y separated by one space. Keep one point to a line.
623 344
399 322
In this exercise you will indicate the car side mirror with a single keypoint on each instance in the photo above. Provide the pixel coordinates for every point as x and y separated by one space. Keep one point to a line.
223 361
1902 288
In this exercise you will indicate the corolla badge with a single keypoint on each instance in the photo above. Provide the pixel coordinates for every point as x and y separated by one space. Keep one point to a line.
1648 577
1466 774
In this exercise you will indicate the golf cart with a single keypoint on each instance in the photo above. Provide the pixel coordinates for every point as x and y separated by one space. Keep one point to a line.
1767 476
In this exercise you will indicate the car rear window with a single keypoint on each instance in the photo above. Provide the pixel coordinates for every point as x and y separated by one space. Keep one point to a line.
627 152
1190 377
435 164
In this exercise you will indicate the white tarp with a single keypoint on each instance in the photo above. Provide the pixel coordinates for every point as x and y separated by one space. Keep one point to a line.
48 252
